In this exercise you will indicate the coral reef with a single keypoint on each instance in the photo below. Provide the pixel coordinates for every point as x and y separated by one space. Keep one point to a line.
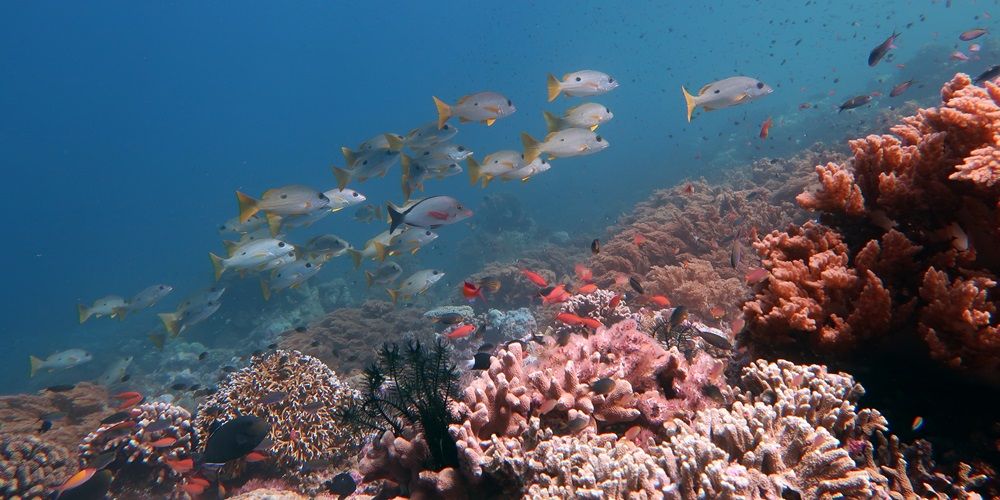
515 324
31 467
73 413
298 396
699 287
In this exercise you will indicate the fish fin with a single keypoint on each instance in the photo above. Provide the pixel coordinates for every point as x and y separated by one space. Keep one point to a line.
265 290
369 278
705 87
444 112
83 312
395 217
475 171
343 177
486 180
169 322
157 340
394 294
380 251
395 142
248 206
217 264
349 156
274 224
709 108
492 109
463 120
742 97
690 101
355 256
416 248
532 148
489 122
231 247
551 121
407 191
36 364
525 179
593 128
553 86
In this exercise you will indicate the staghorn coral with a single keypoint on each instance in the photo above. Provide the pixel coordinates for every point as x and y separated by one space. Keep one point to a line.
83 406
304 423
31 467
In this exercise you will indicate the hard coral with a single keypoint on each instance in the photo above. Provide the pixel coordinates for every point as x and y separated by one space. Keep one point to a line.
84 406
31 467
304 420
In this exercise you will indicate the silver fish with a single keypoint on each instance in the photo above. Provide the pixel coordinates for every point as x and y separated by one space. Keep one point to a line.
148 297
484 107
384 274
563 144
430 212
494 165
726 93
588 115
428 135
110 305
528 171
254 254
583 83
287 200
60 361
114 373
416 284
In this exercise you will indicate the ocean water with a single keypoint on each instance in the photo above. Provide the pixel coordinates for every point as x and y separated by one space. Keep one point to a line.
126 127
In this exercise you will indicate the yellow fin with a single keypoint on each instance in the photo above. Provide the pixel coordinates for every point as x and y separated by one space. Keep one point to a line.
83 312
119 313
343 177
158 339
593 128
274 224
248 206
170 322
369 278
551 121
218 265
349 156
356 256
394 294
395 142
486 180
36 364
444 112
265 290
554 87
231 247
690 101
742 97
380 251
490 121
463 120
532 148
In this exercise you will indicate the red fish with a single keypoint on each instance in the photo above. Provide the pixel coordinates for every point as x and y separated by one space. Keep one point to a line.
124 424
77 479
875 93
534 278
587 289
737 324
200 481
756 275
163 442
899 89
959 56
591 323
192 489
127 395
805 105
180 466
583 272
128 403
765 128
638 239
556 296
660 300
569 318
471 291
256 456
613 303
460 332
717 312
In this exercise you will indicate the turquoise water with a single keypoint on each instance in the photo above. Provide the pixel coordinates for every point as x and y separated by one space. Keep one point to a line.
126 127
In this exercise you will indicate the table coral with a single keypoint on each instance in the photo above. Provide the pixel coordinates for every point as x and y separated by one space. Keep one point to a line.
84 406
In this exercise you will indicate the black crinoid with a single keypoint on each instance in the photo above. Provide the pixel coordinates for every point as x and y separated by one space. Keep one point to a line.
415 387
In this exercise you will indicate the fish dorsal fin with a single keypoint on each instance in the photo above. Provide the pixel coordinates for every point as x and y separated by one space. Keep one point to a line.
462 100
565 77
703 89
549 136
348 156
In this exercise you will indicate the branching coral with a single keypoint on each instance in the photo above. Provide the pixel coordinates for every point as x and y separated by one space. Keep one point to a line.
31 467
298 396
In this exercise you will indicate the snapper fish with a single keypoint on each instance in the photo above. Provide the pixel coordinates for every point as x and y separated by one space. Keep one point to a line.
563 144
252 255
147 298
114 373
484 107
726 93
384 274
442 169
364 165
411 240
287 200
368 213
588 115
328 244
580 84
414 174
109 305
344 198
290 275
235 226
63 360
432 212
392 142
416 284
494 165
426 136
443 151
176 322
528 171
370 250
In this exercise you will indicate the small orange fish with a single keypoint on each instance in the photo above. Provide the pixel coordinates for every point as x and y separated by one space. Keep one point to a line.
583 273
460 332
192 489
534 278
569 318
613 303
128 403
256 456
587 289
77 479
756 275
621 279
591 323
200 481
717 312
471 291
163 442
127 395
556 296
632 432
638 239
660 300
180 466
765 128
124 424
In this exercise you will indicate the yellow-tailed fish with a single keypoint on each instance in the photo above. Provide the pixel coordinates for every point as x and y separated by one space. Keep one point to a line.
483 107
110 305
494 165
416 284
726 93
563 144
581 84
588 115
60 361
383 274
252 255
431 212
426 136
287 200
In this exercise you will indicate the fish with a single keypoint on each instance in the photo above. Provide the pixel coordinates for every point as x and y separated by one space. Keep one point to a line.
414 174
595 246
583 273
443 151
602 386
114 418
115 371
765 128
60 387
273 397
53 416
364 165
881 50
158 425
972 34
494 165
147 298
426 136
958 55
755 275
330 244
370 250
563 144
678 315
383 274
481 361
180 386
490 283
591 323
539 165
368 214
432 212
975 47
636 285
234 225
255 254
110 305
290 275
568 318
484 107
282 201
62 360
917 423
735 253
583 83
342 484
416 284
76 480
725 93
988 75
614 301
103 460
587 289
471 291
45 426
534 278
713 336
448 318
460 331
588 115
554 295
127 395
392 142
164 442
855 102
406 240
180 466
177 322
900 88
660 300
234 439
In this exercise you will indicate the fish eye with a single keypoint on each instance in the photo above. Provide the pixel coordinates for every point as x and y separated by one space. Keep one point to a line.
222 228
426 153
509 103
364 162
281 244
309 264
716 91
760 85
608 111
461 148
323 197
428 233
355 195
498 161
475 104
434 272
244 253
578 79
599 139
162 287
284 196
611 80
445 127
459 207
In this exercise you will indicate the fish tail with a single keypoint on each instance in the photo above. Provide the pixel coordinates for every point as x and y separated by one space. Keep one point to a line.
343 177
486 180
169 322
553 86
551 121
395 142
248 206
349 156
36 364
83 312
380 251
690 101
217 264
355 256
444 112
157 340
394 294
532 148
475 171
265 290
369 278
274 224
395 217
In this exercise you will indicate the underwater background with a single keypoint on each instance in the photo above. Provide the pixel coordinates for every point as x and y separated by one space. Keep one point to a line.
127 126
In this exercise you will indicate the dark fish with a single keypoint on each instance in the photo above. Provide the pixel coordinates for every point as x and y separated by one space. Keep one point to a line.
117 417
602 386
855 102
989 74
229 368
595 246
300 329
273 397
202 356
972 34
578 424
342 484
449 318
715 338
159 425
214 426
879 52
634 283
735 254
313 407
95 487
678 316
194 387
46 425
272 346
481 361
487 347
103 460
179 386
899 89
234 439
60 388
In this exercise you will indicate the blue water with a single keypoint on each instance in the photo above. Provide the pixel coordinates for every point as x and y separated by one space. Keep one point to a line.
126 127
